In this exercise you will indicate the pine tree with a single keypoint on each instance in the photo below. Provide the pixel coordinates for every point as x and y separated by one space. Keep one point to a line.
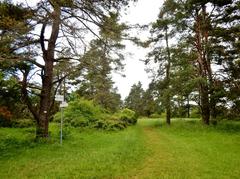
134 100
66 22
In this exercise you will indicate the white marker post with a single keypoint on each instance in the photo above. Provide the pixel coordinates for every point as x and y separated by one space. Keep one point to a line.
63 104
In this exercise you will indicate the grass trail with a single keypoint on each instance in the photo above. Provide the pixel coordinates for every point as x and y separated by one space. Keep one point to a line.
186 149
152 164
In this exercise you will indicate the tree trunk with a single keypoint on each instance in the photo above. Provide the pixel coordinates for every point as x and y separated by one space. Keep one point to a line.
204 103
168 113
213 112
168 66
188 107
201 44
45 101
47 73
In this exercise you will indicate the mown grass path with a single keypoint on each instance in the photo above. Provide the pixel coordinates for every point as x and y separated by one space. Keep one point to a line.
158 157
187 149
152 164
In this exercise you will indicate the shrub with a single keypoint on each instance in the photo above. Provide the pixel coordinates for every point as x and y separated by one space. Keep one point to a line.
109 125
84 113
127 116
80 112
22 123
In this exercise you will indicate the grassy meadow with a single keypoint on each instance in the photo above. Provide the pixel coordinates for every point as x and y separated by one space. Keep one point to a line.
151 149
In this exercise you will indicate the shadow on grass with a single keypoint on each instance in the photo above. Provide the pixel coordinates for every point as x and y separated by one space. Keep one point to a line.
228 126
13 144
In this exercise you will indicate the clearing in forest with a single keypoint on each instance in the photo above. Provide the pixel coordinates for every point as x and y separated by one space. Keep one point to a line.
151 149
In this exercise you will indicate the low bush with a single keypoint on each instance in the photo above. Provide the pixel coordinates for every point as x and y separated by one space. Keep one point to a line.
109 125
80 113
127 116
6 120
84 113
22 123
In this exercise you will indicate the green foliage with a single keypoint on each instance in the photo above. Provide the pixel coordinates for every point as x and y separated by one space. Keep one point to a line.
195 112
96 84
143 102
110 125
85 113
127 116
80 113
22 123
134 100
13 25
187 21
7 120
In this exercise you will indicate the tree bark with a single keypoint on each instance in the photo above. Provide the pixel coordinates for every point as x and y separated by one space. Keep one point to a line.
188 107
168 66
47 74
204 103
205 72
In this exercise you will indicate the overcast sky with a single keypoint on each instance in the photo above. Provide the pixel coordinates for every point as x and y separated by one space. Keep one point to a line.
143 12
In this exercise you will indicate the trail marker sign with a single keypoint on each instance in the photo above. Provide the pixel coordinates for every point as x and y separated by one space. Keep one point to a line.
59 98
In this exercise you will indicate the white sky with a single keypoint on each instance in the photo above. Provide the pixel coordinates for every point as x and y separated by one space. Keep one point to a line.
143 12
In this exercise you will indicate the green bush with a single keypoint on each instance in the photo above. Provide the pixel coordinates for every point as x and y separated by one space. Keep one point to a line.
109 125
84 113
127 116
22 123
80 113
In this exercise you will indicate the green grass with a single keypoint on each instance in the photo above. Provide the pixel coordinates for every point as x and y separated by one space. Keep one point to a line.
84 154
188 149
151 149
